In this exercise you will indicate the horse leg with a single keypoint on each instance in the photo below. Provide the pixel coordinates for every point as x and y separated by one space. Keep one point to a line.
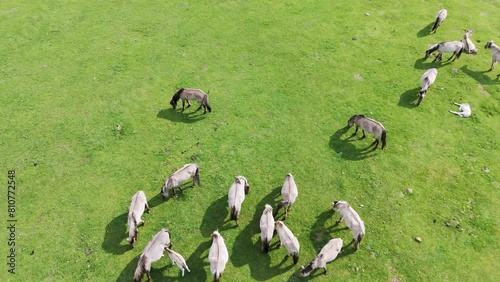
452 55
189 104
183 105
364 135
437 57
339 221
356 131
146 207
376 144
148 274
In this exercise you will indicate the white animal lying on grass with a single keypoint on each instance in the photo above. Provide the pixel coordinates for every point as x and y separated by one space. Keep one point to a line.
465 110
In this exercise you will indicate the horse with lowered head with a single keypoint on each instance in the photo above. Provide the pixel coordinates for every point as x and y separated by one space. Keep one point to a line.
369 125
152 252
180 176
135 211
186 94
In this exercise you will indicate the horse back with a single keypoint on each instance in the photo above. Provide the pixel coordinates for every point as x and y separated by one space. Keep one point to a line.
193 94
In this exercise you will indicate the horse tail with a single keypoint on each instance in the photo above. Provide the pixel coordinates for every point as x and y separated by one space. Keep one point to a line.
295 258
384 135
205 103
266 245
141 266
436 24
216 276
196 177
234 213
358 240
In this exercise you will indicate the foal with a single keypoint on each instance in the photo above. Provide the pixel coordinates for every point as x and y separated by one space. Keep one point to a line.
186 94
369 125
327 254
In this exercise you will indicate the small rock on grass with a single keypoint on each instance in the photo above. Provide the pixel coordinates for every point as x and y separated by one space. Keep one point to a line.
409 190
418 239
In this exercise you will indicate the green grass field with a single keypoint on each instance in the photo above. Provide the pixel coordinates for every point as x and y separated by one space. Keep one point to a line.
284 77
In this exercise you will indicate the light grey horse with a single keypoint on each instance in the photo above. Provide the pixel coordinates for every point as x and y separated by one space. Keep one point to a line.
369 125
218 256
426 80
455 47
289 240
135 211
495 54
289 192
236 196
178 260
266 227
440 17
465 110
352 220
180 176
152 252
186 94
327 254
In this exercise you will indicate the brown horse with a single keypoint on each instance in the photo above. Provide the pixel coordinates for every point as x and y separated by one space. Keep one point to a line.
186 94
369 125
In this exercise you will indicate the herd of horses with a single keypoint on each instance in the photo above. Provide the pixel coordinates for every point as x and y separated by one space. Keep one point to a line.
218 254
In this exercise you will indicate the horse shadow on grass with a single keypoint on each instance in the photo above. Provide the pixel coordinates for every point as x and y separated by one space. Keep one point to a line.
409 98
425 31
158 199
199 260
480 76
177 116
345 149
215 218
419 64
116 232
259 263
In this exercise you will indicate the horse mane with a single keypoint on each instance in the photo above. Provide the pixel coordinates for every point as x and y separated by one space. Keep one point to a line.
177 95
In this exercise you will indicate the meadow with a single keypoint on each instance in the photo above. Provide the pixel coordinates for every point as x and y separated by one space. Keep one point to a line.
284 77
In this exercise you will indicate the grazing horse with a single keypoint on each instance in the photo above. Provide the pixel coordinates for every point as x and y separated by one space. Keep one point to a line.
186 94
427 79
135 211
465 110
218 256
369 125
440 17
236 196
352 220
495 54
289 240
266 227
445 47
180 176
178 260
289 192
152 252
327 254
469 47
